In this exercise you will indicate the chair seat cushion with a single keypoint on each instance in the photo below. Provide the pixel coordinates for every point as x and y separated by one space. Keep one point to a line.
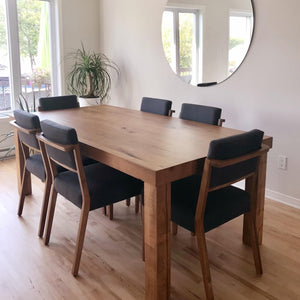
35 165
222 205
106 185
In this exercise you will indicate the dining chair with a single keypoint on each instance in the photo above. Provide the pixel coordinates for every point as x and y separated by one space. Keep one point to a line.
157 106
201 203
58 102
201 113
27 126
88 187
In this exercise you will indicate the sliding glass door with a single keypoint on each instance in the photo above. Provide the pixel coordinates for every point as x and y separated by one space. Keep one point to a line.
27 35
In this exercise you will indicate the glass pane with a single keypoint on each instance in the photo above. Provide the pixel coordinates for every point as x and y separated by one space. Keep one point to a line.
34 37
5 101
168 38
239 40
186 45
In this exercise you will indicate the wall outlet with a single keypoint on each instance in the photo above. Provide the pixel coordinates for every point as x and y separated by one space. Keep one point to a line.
282 162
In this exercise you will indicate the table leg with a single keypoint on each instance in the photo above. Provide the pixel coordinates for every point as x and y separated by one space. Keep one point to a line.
260 186
157 213
20 165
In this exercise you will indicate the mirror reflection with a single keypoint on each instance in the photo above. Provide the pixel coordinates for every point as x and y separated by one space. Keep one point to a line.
205 41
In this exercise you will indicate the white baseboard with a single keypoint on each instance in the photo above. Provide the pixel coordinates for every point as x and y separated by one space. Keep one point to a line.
276 196
288 200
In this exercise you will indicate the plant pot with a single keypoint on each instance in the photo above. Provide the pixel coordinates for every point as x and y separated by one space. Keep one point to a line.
88 101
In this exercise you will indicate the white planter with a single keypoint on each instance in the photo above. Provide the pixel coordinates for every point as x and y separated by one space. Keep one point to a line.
88 101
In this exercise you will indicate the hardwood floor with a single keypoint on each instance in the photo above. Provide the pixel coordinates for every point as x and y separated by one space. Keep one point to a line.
111 264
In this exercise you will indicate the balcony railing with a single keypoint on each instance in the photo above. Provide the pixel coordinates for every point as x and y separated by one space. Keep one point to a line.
31 90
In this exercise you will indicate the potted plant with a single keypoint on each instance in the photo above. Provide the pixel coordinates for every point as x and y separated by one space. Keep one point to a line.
90 77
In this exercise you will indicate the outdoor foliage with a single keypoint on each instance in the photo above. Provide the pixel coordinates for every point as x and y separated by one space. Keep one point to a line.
185 39
29 28
235 42
3 40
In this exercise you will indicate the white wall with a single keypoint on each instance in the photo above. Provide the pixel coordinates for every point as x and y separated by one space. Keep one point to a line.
264 93
78 22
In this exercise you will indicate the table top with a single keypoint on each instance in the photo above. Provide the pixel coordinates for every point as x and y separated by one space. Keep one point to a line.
145 145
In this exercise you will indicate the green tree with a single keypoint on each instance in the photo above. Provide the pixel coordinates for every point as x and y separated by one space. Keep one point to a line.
186 36
233 42
186 22
29 26
3 40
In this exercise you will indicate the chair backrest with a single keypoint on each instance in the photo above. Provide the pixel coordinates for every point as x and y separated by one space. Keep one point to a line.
61 143
27 125
200 113
229 160
59 102
230 148
156 106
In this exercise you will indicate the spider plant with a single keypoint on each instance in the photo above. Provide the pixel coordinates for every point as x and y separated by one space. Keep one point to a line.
90 77
24 105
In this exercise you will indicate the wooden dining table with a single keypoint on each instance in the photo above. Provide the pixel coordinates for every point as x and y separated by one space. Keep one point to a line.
158 150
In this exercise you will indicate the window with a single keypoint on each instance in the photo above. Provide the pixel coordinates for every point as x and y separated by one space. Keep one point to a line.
27 35
240 32
180 36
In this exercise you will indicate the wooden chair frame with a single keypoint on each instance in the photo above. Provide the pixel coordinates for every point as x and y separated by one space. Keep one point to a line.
26 175
174 226
251 186
53 196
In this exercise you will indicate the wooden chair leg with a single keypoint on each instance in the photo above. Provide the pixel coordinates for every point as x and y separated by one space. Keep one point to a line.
26 176
204 263
111 211
80 239
254 244
137 203
128 202
174 228
104 210
143 231
44 207
53 197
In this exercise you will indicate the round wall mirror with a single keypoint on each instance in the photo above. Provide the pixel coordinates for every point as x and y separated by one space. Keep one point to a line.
205 41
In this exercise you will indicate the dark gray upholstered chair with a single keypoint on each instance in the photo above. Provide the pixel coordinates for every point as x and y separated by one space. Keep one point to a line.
201 113
58 102
88 187
157 106
202 204
28 125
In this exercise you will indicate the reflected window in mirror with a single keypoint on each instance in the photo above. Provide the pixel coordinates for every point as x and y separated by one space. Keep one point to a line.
205 41
181 40
240 33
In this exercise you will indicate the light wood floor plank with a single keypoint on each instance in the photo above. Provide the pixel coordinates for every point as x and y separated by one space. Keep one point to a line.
111 264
